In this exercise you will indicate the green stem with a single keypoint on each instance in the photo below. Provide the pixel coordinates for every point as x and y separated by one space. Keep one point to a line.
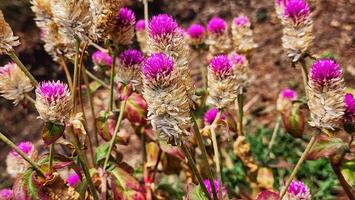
75 82
240 100
51 156
203 71
14 57
298 165
274 134
194 169
112 81
29 98
113 139
23 155
204 155
146 14
66 71
304 75
95 78
347 188
216 151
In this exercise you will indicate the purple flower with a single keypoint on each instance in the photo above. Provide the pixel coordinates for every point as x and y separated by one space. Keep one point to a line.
289 94
162 25
140 25
241 20
349 101
52 91
157 65
297 10
196 31
299 190
6 194
73 179
125 17
7 69
221 65
211 114
217 185
216 26
100 58
131 57
324 70
238 59
26 147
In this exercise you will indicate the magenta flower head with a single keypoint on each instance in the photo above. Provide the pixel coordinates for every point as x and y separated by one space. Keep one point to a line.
131 57
298 191
73 179
297 10
101 59
221 65
53 101
162 26
15 164
6 194
285 99
211 115
140 25
241 21
196 31
25 147
217 185
324 71
349 115
125 18
289 94
124 31
158 66
216 26
238 59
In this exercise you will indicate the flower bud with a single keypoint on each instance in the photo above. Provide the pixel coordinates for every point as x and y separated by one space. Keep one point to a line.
241 68
298 191
196 34
14 84
136 109
326 94
294 120
15 164
6 194
53 102
124 30
218 38
101 59
7 38
242 35
349 116
285 99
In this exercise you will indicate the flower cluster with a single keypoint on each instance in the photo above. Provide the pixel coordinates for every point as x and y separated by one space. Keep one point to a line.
242 35
14 84
101 59
285 99
123 32
196 34
218 36
298 191
15 164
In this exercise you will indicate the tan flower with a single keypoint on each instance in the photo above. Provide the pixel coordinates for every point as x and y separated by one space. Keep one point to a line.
7 38
242 35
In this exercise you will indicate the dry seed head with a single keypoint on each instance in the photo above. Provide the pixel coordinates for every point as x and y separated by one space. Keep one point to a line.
168 106
326 94
242 35
14 84
7 38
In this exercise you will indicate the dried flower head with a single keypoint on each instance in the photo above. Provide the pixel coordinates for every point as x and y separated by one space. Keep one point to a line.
6 194
14 84
298 191
129 68
242 35
142 36
168 106
7 38
73 179
326 93
218 37
123 33
53 101
241 67
349 115
279 8
285 99
196 34
297 33
101 59
15 164
217 185
222 82
103 15
165 36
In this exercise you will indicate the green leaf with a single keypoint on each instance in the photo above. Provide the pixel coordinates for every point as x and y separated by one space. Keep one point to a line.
101 152
348 170
52 132
94 86
125 185
196 193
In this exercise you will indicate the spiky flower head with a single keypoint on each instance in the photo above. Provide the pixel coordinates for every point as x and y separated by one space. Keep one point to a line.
298 191
326 94
285 99
242 35
6 194
279 8
123 33
7 38
241 68
349 116
162 27
101 59
168 106
103 15
196 34
15 164
297 33
53 101
142 36
223 84
216 26
73 179
218 37
14 84
129 68
217 185
140 25
210 115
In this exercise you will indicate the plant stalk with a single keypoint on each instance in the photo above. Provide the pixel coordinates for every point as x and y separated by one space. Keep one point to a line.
113 139
67 72
240 100
304 75
112 81
347 188
204 155
216 151
18 62
23 155
75 82
29 98
51 156
95 78
298 165
274 134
